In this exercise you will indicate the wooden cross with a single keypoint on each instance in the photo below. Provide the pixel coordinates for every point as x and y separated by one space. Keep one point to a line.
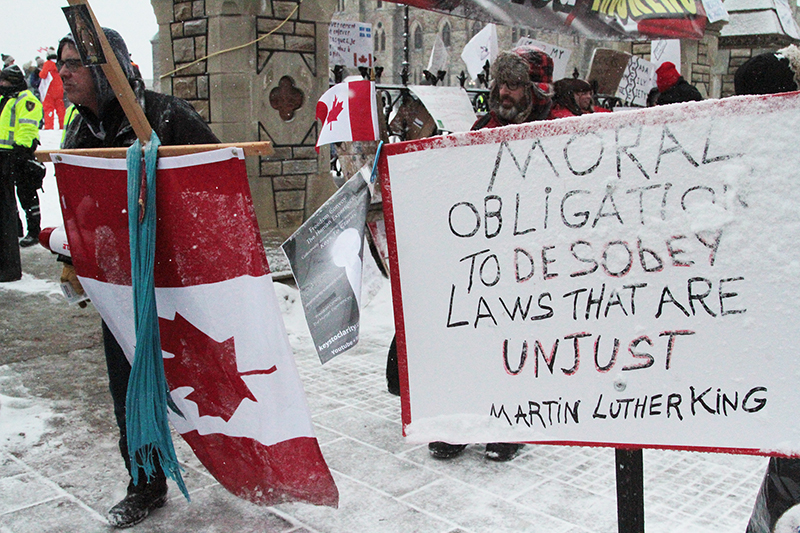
119 83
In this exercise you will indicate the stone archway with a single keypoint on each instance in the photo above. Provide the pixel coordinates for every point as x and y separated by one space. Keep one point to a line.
264 91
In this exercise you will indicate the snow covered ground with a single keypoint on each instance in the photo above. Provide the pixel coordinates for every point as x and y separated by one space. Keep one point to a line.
55 476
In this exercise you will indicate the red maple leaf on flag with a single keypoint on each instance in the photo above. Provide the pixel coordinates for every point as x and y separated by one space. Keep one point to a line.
208 366
362 59
333 114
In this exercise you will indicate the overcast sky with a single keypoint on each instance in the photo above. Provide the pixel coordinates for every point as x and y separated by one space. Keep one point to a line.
29 25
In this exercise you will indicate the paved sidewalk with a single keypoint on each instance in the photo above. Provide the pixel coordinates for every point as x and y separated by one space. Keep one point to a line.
61 471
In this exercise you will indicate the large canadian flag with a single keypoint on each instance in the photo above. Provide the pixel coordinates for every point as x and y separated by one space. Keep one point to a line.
348 111
227 357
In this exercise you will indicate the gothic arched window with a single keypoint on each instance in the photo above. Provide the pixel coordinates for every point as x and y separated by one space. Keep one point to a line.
418 38
446 34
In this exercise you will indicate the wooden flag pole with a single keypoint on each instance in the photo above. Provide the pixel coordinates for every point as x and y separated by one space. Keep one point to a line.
118 80
134 112
261 148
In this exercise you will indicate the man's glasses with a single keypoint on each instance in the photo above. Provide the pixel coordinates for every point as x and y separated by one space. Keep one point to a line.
72 64
512 85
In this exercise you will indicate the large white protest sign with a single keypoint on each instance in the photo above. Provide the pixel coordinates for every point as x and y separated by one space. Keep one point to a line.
616 279
350 44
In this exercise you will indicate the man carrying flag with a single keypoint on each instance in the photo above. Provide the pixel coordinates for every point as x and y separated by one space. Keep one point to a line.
234 393
101 123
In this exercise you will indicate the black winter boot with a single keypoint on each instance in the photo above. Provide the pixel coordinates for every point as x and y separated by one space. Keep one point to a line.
140 500
502 451
392 372
445 450
34 219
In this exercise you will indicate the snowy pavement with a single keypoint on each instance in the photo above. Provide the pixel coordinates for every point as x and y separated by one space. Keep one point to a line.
60 469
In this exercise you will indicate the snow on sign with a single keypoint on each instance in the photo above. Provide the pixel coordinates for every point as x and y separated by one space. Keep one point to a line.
350 44
617 279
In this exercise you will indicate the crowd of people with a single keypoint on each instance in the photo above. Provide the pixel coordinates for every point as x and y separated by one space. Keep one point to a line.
522 91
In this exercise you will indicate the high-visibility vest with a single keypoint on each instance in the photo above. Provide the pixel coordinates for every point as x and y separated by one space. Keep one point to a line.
68 116
19 120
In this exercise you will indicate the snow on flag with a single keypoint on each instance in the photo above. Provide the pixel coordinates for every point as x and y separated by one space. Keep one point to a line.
227 357
348 112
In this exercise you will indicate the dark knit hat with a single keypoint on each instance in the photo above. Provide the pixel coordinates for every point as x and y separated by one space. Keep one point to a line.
667 76
14 75
564 93
770 73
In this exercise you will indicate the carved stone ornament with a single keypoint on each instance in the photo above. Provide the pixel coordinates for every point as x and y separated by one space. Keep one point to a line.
286 98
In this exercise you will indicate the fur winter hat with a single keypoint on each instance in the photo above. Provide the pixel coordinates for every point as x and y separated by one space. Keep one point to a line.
667 76
7 60
51 53
524 64
770 73
14 75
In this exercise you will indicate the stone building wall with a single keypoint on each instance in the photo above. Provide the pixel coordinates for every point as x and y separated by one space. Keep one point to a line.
266 90
698 57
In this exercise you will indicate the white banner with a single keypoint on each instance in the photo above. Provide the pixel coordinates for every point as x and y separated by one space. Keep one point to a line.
450 107
622 279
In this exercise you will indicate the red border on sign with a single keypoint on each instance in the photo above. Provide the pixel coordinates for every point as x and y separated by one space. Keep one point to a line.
577 125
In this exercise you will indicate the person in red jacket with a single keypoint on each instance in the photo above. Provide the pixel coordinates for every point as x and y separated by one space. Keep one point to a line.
51 90
573 97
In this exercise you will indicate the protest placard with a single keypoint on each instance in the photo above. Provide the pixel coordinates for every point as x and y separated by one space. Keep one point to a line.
637 80
326 255
350 44
618 279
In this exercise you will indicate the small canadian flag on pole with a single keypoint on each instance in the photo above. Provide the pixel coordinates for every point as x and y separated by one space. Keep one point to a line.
348 112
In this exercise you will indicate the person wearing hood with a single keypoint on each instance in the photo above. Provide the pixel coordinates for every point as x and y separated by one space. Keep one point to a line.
573 97
521 88
20 114
101 123
672 88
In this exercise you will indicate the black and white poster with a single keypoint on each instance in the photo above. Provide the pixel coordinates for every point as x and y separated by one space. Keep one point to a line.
326 255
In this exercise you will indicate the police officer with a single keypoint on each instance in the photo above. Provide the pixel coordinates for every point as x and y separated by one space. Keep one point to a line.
20 114
19 136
